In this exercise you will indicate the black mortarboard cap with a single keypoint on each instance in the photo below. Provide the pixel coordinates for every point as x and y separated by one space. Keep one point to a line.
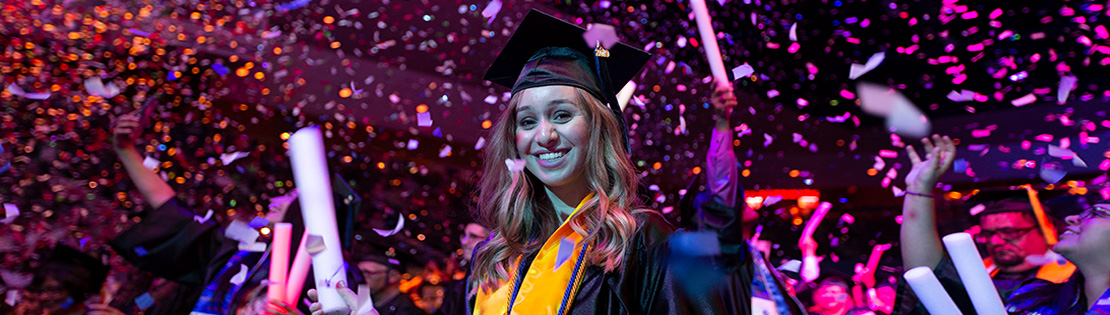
1010 200
545 50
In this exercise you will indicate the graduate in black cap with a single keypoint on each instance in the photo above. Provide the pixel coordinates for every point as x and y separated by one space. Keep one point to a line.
382 261
560 192
1016 241
65 281
219 273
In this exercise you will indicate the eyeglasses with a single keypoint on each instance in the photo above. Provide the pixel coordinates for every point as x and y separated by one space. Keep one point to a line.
1007 234
1096 211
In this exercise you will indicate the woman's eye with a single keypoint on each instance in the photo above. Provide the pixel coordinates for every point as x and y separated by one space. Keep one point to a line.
527 123
563 117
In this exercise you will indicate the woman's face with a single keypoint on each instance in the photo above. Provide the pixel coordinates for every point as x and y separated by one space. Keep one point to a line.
1087 236
552 134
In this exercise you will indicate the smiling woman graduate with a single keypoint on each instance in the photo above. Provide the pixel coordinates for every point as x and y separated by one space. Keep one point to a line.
567 234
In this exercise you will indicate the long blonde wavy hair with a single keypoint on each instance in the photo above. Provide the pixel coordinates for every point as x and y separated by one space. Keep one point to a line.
516 205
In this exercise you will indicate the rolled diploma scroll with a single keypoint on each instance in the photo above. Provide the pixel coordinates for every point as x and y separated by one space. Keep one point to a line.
310 173
929 291
709 41
279 261
973 274
297 273
810 269
815 219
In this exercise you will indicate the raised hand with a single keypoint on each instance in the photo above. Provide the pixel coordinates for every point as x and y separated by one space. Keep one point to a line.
125 131
349 297
723 100
940 152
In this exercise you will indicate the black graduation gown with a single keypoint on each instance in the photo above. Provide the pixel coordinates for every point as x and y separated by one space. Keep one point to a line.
171 244
646 286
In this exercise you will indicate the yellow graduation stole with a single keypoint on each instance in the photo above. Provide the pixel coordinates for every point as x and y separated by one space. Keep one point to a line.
550 283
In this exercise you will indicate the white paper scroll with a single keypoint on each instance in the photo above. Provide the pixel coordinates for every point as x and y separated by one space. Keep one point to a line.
974 274
310 172
929 291
709 41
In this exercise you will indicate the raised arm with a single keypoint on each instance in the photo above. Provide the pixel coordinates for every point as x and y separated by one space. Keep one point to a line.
125 131
921 244
722 179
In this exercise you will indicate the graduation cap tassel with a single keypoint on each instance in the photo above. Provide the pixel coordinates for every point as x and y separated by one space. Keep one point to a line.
601 55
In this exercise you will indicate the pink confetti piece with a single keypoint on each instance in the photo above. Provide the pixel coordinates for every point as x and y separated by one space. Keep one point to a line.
767 139
491 10
879 163
802 102
772 93
1025 100
1043 137
794 47
890 154
980 133
600 33
847 94
995 14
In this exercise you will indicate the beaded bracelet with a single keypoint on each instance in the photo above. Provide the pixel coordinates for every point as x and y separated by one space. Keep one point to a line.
919 195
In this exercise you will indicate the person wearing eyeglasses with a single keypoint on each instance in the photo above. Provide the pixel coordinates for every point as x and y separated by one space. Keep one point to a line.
1085 242
1008 231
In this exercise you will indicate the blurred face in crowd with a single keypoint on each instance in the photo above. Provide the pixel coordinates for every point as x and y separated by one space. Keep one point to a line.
377 275
473 234
832 296
1086 241
46 297
1011 236
552 134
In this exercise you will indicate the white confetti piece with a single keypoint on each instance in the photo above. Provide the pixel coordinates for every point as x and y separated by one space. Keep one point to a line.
600 33
396 229
239 231
95 87
445 152
743 71
794 32
227 158
515 165
902 117
11 212
858 70
424 119
1067 83
151 163
480 144
238 278
17 91
413 144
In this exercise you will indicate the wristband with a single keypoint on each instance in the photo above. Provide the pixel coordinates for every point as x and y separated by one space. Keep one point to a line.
919 194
